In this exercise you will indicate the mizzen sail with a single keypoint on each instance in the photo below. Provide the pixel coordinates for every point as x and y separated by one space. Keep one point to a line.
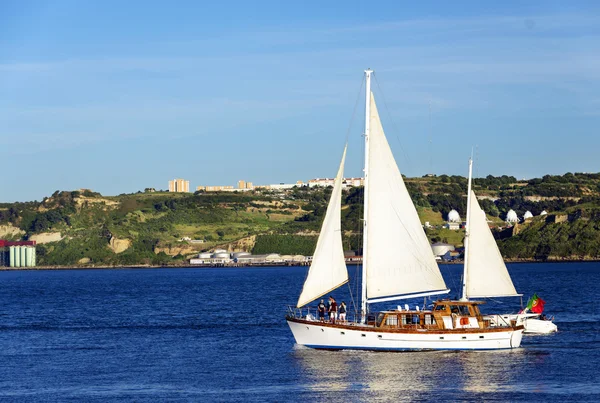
486 274
328 269
399 260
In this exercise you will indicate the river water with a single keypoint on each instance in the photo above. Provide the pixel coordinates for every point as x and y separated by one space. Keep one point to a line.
220 335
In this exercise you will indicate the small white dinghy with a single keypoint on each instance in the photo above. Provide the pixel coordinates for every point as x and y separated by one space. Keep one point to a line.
533 322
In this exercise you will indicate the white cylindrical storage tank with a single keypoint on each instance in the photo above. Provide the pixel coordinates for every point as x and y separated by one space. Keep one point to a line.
11 259
440 248
527 215
30 256
235 255
204 255
23 256
219 250
34 257
544 212
27 262
17 256
453 216
511 216
221 255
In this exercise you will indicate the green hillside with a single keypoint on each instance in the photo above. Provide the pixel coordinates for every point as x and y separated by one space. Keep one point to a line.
86 228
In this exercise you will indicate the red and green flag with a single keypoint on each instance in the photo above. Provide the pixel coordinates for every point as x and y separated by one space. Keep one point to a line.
536 304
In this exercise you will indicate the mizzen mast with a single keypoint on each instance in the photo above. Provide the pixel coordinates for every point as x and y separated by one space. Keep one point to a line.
467 233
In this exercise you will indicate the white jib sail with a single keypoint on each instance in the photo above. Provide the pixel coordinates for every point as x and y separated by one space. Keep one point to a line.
399 256
486 273
328 269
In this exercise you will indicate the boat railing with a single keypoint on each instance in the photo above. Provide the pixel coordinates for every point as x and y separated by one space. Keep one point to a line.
312 314
502 320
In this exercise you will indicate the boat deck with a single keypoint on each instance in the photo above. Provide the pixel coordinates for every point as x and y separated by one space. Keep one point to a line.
446 316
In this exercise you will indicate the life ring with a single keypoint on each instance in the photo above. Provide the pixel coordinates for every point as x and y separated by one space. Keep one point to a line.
464 321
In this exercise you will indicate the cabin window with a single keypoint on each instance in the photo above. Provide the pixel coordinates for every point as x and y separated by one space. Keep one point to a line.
411 319
380 319
391 320
440 308
464 310
429 319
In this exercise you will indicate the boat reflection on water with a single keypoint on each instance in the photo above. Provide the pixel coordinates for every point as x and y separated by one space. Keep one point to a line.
324 370
408 375
490 371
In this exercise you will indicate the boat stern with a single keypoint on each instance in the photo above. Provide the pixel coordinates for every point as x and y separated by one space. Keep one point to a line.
516 337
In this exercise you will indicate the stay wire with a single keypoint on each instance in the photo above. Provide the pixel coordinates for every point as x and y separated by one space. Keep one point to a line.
395 128
362 83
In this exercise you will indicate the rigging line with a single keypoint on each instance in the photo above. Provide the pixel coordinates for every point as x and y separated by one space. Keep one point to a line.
395 128
453 284
495 300
352 299
358 97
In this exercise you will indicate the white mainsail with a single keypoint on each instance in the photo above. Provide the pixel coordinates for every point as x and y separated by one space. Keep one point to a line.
485 273
328 269
399 260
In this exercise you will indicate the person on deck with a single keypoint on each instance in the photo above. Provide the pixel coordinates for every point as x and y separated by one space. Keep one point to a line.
321 310
332 310
343 312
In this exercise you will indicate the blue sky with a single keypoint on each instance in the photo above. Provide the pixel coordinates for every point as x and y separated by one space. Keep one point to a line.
119 96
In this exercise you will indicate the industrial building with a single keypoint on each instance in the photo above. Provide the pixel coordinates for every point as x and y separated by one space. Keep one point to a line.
221 257
17 254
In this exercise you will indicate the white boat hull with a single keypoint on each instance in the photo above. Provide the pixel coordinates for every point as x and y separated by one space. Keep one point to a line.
533 324
538 326
356 337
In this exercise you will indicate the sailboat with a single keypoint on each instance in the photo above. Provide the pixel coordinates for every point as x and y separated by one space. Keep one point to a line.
485 273
398 263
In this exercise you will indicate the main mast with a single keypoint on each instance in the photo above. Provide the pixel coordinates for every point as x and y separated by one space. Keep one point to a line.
467 232
363 306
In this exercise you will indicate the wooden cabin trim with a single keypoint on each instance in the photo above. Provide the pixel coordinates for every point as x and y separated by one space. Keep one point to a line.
374 329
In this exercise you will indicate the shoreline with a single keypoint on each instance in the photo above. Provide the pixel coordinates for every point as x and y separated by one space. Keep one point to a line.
236 266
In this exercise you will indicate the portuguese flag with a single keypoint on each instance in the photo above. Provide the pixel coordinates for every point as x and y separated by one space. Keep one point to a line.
536 304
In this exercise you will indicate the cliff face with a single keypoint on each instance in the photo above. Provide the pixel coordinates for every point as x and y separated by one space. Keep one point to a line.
10 232
119 245
46 237
242 245
183 250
